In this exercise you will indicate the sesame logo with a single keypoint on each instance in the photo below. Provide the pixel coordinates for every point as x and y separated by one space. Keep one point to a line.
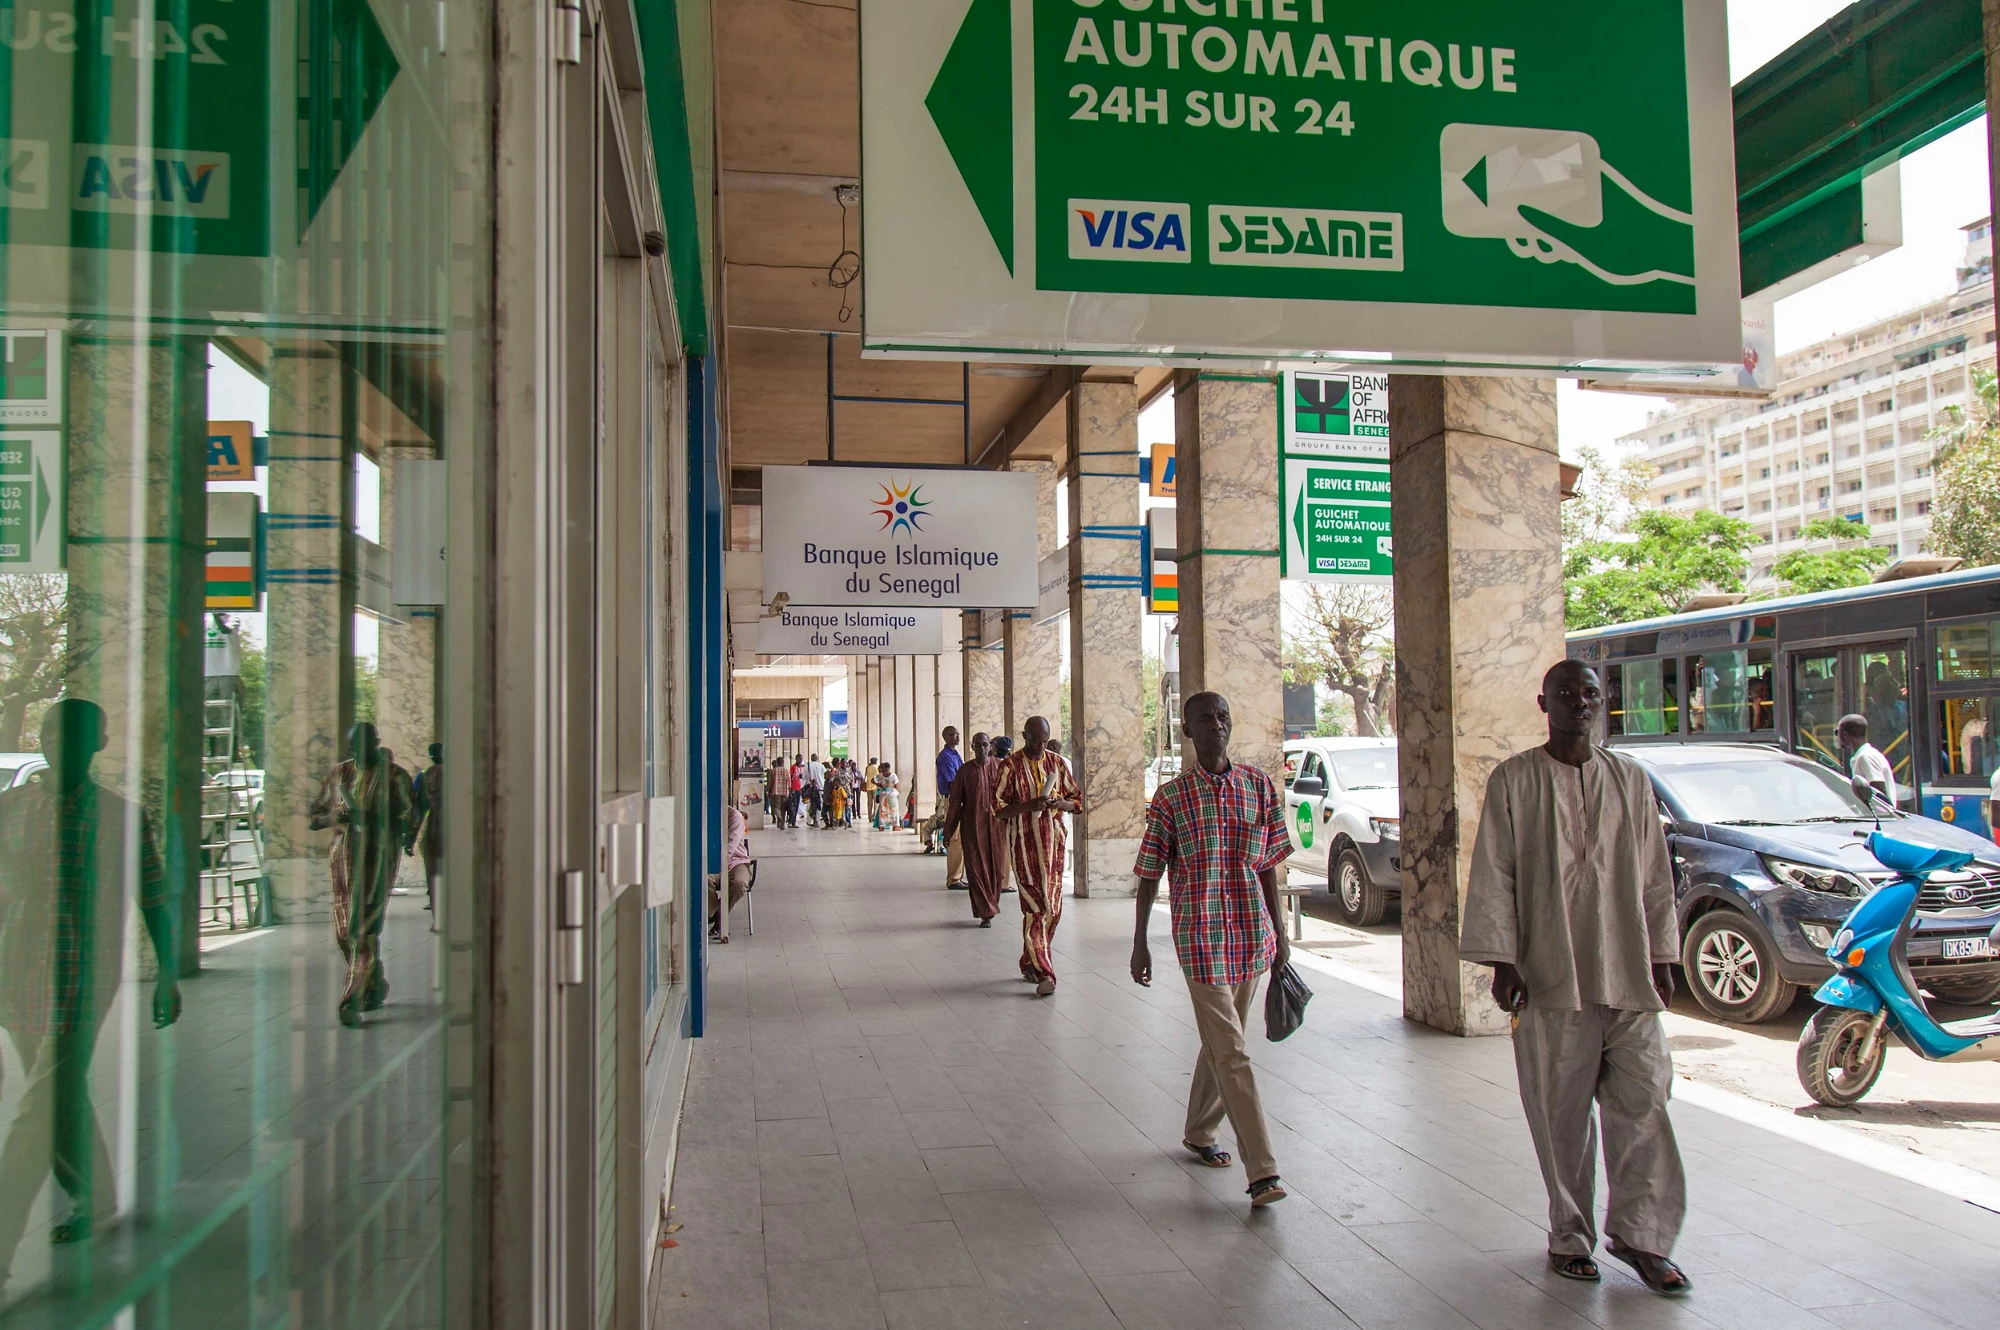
900 509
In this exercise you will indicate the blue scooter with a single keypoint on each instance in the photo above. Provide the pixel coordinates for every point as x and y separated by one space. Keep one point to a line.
1842 1048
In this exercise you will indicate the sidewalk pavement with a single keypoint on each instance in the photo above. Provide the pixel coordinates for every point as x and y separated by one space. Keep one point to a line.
885 1128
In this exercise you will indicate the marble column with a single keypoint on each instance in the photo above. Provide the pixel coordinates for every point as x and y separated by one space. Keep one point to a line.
308 618
1226 454
876 726
904 743
923 774
950 706
1034 651
857 743
132 602
1479 616
985 678
857 706
406 671
1107 705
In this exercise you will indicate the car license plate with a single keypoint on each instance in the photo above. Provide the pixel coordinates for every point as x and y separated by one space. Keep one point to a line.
1968 948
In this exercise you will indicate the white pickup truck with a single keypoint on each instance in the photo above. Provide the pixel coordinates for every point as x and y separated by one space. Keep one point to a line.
1344 809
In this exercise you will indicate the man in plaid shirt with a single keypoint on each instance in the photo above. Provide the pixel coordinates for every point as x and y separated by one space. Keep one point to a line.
1220 830
74 858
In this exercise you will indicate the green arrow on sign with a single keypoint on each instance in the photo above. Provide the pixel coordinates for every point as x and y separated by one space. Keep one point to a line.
346 78
1299 517
41 500
972 104
1475 180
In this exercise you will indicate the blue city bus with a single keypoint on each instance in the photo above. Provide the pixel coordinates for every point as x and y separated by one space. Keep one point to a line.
1919 657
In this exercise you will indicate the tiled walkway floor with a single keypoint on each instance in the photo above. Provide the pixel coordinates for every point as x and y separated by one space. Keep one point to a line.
884 1127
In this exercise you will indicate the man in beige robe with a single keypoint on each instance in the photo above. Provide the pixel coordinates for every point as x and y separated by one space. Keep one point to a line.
1571 902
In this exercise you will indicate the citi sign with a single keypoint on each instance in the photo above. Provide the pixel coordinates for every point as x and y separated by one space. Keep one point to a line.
170 181
1123 229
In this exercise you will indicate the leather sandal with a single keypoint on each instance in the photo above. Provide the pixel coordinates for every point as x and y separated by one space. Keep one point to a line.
1209 1154
1267 1191
1580 1268
1655 1272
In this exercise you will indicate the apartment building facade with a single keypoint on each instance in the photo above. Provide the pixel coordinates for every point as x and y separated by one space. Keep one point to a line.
1845 433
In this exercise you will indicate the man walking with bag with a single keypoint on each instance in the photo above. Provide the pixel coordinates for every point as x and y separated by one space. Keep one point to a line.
1571 901
1219 829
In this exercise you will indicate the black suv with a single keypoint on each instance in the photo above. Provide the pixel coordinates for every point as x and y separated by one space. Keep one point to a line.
1770 856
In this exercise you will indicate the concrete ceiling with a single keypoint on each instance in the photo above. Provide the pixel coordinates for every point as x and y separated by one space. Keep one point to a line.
788 128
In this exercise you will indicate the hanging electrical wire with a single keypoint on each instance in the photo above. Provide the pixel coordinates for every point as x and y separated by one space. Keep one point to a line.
846 266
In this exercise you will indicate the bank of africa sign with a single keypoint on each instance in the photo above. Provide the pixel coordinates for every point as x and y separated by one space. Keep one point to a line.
892 538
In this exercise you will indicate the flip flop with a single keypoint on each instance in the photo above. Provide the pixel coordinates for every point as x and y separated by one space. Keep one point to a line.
1209 1154
1580 1268
1653 1271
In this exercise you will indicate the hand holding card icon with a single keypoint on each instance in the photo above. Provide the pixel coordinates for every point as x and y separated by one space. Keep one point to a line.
1540 190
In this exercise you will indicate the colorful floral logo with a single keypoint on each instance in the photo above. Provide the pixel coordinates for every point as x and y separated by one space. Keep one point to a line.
900 509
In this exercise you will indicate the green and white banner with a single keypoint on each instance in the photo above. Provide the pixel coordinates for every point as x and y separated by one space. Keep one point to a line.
33 517
1453 185
1336 521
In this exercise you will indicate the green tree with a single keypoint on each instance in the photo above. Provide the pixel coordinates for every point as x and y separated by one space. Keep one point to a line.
255 676
35 655
1843 559
1331 724
1607 494
1664 558
1062 734
1149 703
1348 644
1965 509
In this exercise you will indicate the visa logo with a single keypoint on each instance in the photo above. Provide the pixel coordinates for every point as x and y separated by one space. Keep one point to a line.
169 182
1123 229
24 173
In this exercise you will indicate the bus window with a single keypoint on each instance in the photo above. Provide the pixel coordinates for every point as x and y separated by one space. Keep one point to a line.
1968 741
1648 699
1816 707
1729 692
1965 652
1885 700
1716 693
1760 682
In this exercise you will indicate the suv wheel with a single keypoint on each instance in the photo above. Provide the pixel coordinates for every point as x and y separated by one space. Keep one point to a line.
1355 894
1733 974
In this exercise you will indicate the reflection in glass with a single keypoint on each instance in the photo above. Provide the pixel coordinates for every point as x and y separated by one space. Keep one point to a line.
1885 700
1965 651
231 244
1647 700
1816 708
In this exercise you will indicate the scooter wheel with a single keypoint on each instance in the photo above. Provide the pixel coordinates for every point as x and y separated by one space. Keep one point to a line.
1830 1063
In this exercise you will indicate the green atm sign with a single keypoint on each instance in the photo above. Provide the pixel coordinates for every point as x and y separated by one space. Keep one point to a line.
1337 521
1432 183
31 501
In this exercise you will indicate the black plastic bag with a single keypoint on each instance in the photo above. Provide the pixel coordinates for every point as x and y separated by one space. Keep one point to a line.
1285 999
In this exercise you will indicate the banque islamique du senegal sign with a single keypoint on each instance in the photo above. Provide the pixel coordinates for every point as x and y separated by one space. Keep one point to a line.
1497 185
837 630
888 538
1334 500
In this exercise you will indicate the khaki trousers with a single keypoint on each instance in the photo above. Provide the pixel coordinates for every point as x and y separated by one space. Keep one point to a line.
1223 1081
55 1129
954 859
1616 1062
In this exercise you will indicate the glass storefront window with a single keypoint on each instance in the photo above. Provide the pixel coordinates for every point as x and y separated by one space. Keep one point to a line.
1645 698
1729 692
232 240
1965 652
